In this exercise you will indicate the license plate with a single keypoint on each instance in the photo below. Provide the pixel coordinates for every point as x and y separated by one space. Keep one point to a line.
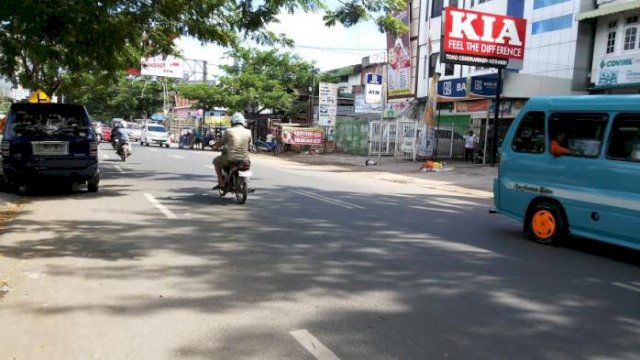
50 148
247 173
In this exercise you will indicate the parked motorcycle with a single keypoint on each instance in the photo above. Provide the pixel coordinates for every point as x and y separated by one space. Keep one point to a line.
237 181
123 149
275 146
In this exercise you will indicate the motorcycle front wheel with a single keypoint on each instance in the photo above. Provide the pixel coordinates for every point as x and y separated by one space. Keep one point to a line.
240 189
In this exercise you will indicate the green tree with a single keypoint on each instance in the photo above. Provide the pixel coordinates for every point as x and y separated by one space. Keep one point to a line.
205 96
5 104
106 97
257 80
43 43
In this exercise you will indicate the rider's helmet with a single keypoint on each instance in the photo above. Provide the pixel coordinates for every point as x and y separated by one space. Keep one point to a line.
237 118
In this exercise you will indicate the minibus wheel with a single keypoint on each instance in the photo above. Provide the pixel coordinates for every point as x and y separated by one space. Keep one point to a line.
546 223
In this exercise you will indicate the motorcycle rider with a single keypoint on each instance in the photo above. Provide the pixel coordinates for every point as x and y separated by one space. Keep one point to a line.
120 134
236 141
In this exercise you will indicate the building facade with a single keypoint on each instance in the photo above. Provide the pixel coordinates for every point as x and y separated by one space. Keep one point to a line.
557 58
615 68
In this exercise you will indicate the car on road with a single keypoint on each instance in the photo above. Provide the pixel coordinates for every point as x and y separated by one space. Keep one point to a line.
154 134
106 134
49 142
135 131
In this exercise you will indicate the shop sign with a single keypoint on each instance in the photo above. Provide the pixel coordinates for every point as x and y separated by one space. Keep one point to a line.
484 39
472 106
328 104
362 107
480 86
399 60
619 70
302 136
170 66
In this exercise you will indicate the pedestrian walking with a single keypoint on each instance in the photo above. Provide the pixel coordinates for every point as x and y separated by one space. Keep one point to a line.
469 144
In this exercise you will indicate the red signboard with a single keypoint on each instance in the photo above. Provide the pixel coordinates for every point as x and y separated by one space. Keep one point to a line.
302 136
472 106
478 38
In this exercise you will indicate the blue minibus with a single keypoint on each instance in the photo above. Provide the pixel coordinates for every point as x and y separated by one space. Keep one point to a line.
571 165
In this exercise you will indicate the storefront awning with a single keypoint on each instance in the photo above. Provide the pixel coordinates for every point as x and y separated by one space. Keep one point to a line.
608 10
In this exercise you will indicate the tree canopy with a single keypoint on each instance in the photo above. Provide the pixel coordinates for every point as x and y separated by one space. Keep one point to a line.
106 97
255 81
43 43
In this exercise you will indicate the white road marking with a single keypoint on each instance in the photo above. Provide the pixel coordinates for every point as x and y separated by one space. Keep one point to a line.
153 150
315 347
105 156
160 207
176 156
119 168
341 203
628 287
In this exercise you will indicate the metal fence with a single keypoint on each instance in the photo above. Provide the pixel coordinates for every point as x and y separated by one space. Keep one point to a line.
352 134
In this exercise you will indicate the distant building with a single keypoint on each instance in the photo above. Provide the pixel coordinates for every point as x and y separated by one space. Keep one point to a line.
616 54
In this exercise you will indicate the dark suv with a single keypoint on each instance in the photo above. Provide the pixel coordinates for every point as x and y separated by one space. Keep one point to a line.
52 142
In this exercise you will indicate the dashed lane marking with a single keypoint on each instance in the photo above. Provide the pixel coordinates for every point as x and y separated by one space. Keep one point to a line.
313 345
160 207
341 203
176 156
119 168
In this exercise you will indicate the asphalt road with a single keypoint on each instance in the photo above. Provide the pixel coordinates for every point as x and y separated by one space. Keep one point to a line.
320 263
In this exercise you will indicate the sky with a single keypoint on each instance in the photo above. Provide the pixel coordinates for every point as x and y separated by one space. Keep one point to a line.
329 48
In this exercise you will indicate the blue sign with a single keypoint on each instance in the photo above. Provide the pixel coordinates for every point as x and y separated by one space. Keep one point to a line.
375 79
470 87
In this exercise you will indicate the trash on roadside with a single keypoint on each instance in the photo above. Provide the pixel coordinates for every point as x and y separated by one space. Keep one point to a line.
435 166
370 162
4 288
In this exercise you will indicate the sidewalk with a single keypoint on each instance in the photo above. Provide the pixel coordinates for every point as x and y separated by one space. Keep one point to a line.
464 177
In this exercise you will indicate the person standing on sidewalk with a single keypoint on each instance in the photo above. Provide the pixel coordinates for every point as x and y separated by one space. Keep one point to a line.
469 144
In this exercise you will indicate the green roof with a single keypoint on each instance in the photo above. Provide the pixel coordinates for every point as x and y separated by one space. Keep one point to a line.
608 10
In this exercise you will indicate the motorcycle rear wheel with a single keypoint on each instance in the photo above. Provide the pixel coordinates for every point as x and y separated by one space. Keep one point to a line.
240 189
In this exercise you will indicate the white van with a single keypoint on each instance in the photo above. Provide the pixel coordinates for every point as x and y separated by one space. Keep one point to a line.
154 134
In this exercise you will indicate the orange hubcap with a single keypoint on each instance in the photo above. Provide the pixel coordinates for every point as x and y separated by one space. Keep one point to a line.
543 224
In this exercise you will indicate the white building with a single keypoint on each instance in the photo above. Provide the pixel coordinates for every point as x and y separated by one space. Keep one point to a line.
616 53
557 58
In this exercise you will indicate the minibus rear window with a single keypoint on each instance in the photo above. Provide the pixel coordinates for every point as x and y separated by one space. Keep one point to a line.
530 137
624 140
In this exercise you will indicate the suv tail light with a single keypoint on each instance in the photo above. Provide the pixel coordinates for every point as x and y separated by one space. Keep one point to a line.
6 148
93 149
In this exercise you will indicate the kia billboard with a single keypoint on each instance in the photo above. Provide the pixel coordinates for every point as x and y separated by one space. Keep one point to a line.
482 39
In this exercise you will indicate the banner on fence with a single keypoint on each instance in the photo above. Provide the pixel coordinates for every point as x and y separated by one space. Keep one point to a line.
302 136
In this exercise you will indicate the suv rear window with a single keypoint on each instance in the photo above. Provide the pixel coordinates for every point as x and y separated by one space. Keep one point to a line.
48 120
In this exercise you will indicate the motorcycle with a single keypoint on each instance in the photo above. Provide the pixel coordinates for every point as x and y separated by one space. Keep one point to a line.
275 146
237 181
123 149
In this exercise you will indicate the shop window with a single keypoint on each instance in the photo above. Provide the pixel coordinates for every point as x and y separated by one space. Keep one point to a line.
624 140
580 133
630 35
530 137
433 64
448 69
611 42
436 8
453 3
